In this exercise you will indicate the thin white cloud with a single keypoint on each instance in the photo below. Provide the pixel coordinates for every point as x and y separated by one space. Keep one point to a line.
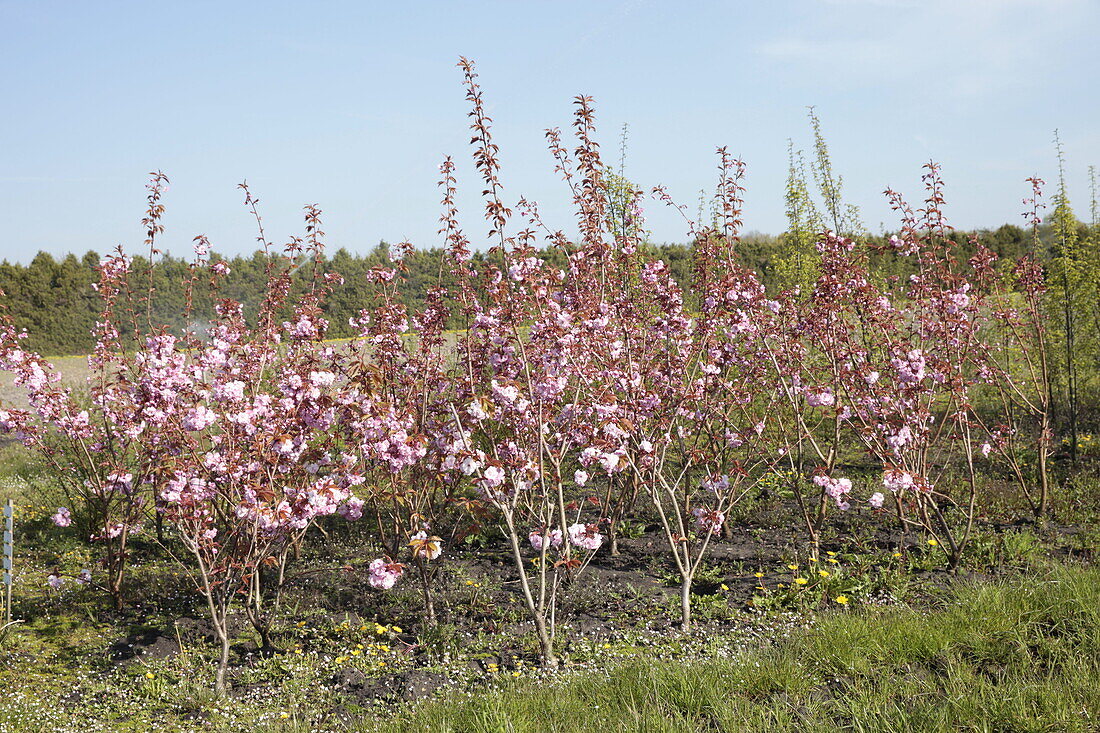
877 3
969 49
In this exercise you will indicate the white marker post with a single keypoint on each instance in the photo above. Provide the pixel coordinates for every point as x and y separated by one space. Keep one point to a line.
9 554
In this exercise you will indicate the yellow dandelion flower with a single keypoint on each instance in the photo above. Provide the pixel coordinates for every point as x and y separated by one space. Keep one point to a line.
801 581
842 600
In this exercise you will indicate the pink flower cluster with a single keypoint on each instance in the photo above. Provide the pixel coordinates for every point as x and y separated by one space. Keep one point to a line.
708 520
585 536
62 517
538 539
384 574
836 489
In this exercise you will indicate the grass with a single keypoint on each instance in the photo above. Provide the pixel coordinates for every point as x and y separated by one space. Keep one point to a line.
73 370
1015 648
1017 655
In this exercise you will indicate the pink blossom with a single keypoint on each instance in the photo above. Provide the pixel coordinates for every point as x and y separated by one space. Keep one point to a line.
904 247
198 418
120 482
231 391
898 481
283 445
62 517
493 475
352 509
470 465
835 488
708 520
911 368
900 439
383 574
537 539
426 547
718 484
611 462
478 410
322 378
585 536
821 398
876 500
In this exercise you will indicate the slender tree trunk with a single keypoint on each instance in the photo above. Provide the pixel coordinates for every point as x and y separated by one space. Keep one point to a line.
1044 479
223 659
954 551
546 644
685 603
426 591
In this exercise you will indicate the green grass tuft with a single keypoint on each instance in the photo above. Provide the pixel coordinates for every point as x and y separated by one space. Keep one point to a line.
1021 655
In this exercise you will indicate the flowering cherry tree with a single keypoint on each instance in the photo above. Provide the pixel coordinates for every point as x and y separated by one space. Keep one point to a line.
251 418
523 376
397 423
1023 383
699 399
228 434
102 443
896 366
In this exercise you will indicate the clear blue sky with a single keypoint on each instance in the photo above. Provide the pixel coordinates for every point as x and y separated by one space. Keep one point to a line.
353 105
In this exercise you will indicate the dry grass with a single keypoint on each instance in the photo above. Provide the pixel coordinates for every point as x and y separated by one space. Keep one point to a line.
73 370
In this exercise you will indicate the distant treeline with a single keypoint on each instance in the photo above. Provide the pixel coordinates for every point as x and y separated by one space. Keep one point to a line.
57 304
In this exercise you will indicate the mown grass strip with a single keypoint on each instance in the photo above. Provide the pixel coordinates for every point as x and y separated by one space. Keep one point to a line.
1019 655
